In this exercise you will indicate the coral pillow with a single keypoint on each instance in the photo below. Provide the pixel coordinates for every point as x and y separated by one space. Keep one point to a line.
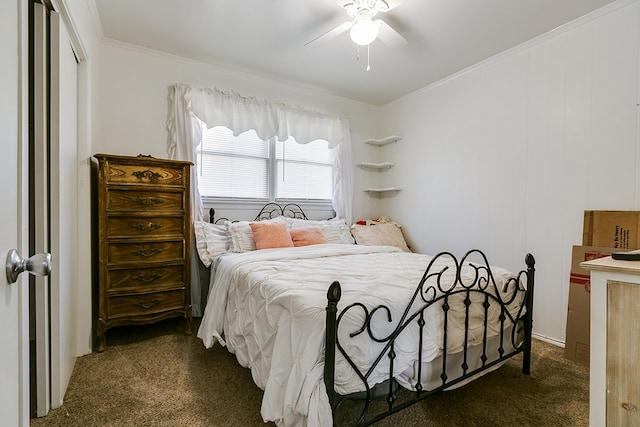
307 236
271 235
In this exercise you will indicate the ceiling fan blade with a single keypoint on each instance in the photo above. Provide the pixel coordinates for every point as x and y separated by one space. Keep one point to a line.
388 35
387 5
330 34
394 3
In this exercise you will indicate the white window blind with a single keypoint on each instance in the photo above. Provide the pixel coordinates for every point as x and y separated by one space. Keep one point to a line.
246 167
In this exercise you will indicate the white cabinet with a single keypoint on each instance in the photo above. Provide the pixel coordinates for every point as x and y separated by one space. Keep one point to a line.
380 167
614 395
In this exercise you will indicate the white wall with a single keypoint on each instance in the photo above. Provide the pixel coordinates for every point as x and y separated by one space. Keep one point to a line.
507 155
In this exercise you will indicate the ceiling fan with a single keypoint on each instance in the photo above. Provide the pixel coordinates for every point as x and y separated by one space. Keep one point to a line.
362 28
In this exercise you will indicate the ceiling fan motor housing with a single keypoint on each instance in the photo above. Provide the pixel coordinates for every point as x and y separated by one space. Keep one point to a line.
371 7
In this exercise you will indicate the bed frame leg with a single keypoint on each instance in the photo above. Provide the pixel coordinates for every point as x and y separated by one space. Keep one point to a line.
528 326
333 296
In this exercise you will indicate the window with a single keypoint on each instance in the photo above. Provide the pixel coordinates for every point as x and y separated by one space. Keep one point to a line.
246 167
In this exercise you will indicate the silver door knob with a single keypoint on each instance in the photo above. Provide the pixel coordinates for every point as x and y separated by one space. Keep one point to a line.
39 264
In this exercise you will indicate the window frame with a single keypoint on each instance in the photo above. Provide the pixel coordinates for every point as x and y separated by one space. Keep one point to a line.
272 165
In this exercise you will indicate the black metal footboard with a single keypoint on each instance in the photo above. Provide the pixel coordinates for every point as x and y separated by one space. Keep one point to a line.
505 312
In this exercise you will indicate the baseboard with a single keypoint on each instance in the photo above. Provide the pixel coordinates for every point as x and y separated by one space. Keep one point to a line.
549 340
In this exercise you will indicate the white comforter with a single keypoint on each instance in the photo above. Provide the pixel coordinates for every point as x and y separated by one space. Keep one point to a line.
268 307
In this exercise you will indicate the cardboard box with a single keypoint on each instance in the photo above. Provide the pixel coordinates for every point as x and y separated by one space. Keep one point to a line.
577 334
611 229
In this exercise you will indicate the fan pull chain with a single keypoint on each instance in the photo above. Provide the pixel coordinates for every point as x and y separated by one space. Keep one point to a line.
368 55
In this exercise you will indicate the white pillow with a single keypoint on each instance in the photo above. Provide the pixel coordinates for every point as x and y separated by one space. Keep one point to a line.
334 230
211 240
385 234
241 235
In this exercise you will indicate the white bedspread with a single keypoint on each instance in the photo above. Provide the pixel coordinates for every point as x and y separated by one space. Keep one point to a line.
268 307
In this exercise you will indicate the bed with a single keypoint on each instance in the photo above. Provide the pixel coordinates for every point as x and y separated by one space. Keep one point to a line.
329 330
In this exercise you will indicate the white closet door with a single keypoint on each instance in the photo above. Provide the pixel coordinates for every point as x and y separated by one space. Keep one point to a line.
14 384
40 210
55 208
64 208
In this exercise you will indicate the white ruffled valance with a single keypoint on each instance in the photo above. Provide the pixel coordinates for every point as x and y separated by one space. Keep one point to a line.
238 113
215 107
218 108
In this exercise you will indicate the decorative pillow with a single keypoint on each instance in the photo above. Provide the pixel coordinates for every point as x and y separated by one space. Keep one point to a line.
334 230
270 235
307 236
386 234
211 240
241 235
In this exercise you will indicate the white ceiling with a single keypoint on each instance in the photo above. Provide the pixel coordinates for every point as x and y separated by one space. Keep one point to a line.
267 37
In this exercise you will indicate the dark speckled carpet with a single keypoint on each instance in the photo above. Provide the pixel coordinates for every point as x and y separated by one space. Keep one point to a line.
156 376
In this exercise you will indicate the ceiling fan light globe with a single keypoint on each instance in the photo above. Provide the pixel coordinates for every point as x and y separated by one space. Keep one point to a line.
364 32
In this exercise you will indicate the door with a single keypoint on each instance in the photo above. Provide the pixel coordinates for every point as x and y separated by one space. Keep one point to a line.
14 217
63 208
14 386
39 189
54 209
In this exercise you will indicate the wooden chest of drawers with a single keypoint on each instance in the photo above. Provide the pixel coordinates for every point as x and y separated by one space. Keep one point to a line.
144 236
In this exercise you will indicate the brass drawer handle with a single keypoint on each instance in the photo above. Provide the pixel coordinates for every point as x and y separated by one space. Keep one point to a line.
147 174
144 253
147 278
149 201
147 227
153 303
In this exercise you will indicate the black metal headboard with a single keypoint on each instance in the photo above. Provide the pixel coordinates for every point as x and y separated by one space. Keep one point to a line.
269 211
212 219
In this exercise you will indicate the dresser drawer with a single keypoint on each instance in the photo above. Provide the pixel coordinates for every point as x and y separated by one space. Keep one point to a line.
145 174
144 278
144 200
134 226
141 304
141 252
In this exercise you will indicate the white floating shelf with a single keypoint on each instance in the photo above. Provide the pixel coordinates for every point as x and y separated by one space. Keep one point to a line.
377 166
383 141
382 190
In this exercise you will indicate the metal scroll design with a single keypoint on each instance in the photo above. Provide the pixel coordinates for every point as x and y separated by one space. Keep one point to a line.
442 289
273 210
268 211
147 174
214 220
